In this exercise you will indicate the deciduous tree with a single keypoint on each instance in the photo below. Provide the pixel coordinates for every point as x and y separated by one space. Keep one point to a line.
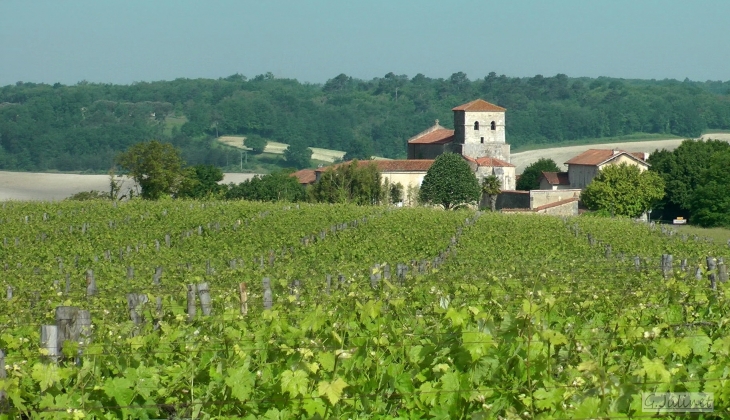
623 190
530 178
157 168
449 182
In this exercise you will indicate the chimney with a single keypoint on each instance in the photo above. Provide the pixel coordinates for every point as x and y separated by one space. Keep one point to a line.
615 151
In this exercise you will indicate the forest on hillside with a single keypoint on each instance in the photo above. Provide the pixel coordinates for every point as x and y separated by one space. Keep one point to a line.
83 127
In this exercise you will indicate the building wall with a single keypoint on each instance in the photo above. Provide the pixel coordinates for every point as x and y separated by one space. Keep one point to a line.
541 197
581 175
506 175
484 141
513 200
627 160
567 209
409 180
545 185
425 151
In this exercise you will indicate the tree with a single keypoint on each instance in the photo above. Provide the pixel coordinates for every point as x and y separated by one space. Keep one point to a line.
530 178
157 168
710 202
623 190
683 172
202 182
256 143
396 193
354 182
298 155
491 187
449 182
359 148
276 186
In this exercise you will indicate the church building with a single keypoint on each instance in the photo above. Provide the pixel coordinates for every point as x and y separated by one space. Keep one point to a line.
478 135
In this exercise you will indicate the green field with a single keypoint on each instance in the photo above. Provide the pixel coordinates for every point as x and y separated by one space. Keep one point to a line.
637 137
495 316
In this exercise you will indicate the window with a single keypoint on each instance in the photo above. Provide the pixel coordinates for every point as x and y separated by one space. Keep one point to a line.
482 140
476 125
494 125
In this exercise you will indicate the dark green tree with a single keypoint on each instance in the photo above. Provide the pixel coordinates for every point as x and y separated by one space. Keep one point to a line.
491 187
396 193
449 183
623 190
354 182
710 202
203 181
256 143
276 186
157 168
530 178
359 148
683 172
298 155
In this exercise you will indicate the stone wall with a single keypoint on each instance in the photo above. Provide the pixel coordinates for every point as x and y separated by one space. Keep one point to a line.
512 200
542 197
561 208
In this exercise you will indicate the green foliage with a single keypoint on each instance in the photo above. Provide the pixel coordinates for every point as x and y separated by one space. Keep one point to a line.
449 182
710 201
396 193
623 190
530 178
277 186
202 182
683 171
491 187
356 182
256 142
84 126
298 155
89 195
157 168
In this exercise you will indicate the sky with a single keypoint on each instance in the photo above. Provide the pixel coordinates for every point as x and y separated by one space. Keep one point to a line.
127 41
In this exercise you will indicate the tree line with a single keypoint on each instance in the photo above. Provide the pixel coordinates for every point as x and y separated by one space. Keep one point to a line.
84 126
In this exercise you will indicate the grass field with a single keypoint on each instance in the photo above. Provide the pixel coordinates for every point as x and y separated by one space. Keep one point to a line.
718 235
273 147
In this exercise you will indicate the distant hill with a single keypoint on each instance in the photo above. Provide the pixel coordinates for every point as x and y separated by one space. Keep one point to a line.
82 127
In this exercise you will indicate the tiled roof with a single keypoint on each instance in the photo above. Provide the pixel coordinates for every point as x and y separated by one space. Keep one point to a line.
305 176
493 162
433 136
400 165
556 178
555 204
479 105
595 157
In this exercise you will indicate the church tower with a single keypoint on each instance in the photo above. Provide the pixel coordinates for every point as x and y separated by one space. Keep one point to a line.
479 131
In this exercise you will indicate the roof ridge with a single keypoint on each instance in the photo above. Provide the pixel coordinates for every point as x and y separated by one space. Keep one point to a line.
431 129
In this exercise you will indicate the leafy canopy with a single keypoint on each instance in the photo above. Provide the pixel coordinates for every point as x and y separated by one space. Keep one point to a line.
276 186
623 190
354 182
491 187
449 182
256 143
298 154
710 202
530 178
157 167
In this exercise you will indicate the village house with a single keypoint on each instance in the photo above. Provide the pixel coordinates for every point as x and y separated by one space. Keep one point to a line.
584 167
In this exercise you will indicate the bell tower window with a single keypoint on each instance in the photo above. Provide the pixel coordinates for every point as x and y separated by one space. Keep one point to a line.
476 125
482 140
494 125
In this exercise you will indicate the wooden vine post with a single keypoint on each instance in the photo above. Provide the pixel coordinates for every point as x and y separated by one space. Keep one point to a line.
268 296
244 298
205 301
90 283
191 301
3 375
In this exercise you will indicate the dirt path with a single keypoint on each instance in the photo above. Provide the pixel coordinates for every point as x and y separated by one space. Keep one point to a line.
562 154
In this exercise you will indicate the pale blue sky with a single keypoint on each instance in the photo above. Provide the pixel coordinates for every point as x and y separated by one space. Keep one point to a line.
315 40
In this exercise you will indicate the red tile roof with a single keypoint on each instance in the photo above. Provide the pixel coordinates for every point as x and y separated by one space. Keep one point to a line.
305 176
555 204
556 178
595 157
479 105
493 162
401 165
437 136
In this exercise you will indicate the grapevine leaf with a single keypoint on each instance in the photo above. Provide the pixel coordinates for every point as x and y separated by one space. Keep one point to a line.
45 375
241 382
121 389
295 383
332 390
315 406
327 360
477 343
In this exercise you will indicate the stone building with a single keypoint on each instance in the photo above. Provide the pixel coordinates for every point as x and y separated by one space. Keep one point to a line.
478 135
584 167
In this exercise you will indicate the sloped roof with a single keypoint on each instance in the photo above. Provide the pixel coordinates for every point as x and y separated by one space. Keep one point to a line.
305 176
396 165
595 157
479 105
556 178
436 134
489 161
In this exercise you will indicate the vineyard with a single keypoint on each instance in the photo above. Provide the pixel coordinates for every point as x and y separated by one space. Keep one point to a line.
188 309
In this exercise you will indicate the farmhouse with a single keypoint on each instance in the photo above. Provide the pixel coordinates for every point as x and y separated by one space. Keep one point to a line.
584 167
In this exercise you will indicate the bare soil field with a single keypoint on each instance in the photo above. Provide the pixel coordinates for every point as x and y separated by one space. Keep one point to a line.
562 154
324 155
28 186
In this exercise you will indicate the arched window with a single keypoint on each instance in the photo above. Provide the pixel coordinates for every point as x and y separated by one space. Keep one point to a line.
494 125
476 125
